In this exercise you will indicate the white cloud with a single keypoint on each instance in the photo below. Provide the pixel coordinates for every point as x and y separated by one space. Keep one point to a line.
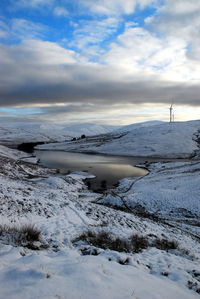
21 29
132 48
116 7
61 11
139 50
31 3
179 19
26 29
3 30
180 7
89 34
45 53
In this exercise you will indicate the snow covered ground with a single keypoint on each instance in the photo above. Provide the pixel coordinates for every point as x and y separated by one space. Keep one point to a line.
169 140
170 191
12 153
62 208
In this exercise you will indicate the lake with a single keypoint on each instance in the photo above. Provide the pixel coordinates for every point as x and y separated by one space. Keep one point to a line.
107 169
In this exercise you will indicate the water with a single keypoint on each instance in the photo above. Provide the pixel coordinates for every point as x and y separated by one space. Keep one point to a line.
107 169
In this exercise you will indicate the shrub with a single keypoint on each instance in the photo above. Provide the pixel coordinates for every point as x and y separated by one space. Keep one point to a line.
24 235
138 243
164 244
101 239
105 240
134 244
31 232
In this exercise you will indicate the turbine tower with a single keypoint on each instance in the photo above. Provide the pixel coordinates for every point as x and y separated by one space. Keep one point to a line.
171 117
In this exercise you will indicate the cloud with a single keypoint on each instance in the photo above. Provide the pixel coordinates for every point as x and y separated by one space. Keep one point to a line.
179 19
180 7
139 49
31 3
116 7
99 7
3 30
60 11
33 63
115 65
25 29
88 35
119 113
21 29
43 72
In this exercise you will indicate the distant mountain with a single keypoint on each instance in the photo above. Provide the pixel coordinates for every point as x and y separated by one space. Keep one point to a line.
88 129
13 133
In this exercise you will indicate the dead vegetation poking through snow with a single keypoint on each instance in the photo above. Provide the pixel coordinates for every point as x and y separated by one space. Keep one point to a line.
134 244
26 235
105 240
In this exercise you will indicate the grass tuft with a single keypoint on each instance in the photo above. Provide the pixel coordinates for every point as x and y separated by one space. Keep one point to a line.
25 235
133 244
164 244
105 240
138 243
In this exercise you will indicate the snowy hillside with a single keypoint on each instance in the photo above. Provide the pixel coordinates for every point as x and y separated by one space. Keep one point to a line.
16 133
169 191
45 250
12 153
131 127
172 140
167 140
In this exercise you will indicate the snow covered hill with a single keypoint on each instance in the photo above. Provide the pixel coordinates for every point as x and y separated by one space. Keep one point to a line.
167 140
15 133
12 153
170 191
140 240
63 264
172 140
131 127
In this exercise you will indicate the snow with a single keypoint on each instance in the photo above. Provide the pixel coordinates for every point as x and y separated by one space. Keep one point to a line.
81 175
168 140
131 127
62 207
14 133
67 275
170 190
12 153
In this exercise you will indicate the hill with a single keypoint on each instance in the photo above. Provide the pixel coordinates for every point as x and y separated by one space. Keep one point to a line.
14 133
56 241
170 140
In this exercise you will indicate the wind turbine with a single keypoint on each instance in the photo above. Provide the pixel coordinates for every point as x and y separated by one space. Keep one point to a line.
171 117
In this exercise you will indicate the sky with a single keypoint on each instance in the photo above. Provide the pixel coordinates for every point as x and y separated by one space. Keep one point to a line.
103 61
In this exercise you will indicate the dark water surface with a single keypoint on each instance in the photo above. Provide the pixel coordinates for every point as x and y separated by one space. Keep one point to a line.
107 169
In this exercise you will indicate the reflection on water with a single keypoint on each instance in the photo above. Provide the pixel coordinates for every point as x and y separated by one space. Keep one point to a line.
107 169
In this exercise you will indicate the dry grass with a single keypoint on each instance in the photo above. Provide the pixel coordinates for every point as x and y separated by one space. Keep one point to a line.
25 235
164 244
105 240
133 244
